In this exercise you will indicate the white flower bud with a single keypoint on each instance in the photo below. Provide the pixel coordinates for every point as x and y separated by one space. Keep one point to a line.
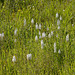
57 15
57 35
24 21
60 17
42 43
55 47
47 28
58 22
59 51
39 26
29 56
67 37
36 38
15 32
58 27
39 33
14 59
1 36
49 35
36 26
15 40
43 34
40 37
32 21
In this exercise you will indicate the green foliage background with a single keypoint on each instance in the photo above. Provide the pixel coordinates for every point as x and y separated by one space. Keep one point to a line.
44 61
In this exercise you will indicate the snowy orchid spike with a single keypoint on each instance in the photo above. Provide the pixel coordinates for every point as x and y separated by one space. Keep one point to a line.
42 44
58 27
59 51
55 47
49 35
1 36
60 17
58 22
24 21
37 26
57 15
47 28
14 59
43 34
29 56
15 32
57 35
36 38
15 40
67 37
39 36
32 21
39 33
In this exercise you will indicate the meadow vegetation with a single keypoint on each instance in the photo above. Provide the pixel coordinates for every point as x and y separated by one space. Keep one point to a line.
43 29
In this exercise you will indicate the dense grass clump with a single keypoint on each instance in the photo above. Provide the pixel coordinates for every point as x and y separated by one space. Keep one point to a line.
37 37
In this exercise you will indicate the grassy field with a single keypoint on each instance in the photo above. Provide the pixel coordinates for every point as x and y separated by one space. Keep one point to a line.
43 28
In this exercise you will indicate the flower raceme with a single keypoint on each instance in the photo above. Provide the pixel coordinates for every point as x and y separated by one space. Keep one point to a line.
1 36
29 56
24 21
36 38
42 44
57 15
67 37
14 59
43 34
15 32
37 26
55 47
32 20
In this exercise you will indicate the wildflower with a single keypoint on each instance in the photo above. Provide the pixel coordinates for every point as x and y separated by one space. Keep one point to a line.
14 59
52 33
36 38
63 10
52 24
43 34
67 37
15 32
39 26
55 47
39 33
1 36
29 56
57 15
47 28
36 26
60 17
59 51
24 21
40 37
57 35
58 27
72 25
58 22
49 35
15 40
32 21
42 44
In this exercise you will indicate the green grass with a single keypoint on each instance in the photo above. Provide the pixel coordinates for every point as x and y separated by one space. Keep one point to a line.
44 61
